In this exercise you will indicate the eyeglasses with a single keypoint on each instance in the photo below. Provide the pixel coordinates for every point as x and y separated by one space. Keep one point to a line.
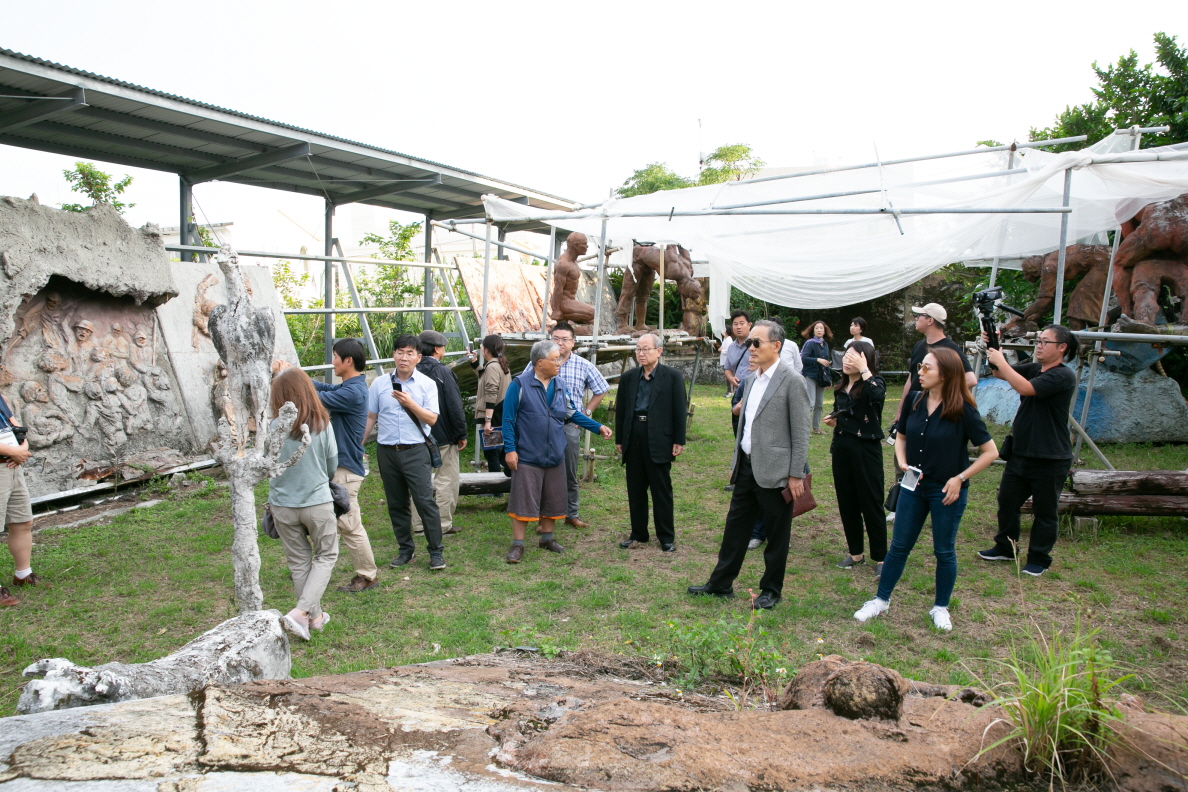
922 316
561 340
752 343
1042 341
925 367
639 349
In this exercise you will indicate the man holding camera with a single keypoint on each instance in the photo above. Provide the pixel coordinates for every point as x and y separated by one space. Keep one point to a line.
930 321
1038 451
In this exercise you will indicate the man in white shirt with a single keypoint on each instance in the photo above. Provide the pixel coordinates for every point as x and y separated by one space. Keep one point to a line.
404 459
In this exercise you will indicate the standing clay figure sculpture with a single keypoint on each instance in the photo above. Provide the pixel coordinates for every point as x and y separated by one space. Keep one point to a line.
567 275
117 343
639 278
243 335
693 307
82 346
1084 304
1158 231
46 423
203 305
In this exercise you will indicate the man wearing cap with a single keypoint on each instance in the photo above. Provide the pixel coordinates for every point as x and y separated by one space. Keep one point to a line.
82 346
449 432
930 320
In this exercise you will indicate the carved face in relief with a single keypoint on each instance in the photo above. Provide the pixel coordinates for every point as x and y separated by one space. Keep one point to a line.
83 331
33 392
116 330
141 338
49 362
52 301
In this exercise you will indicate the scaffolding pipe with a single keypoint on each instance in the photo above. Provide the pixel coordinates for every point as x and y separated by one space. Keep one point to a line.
841 211
1135 139
332 311
660 320
981 150
305 257
486 283
328 326
1063 247
544 309
598 289
1141 338
427 322
355 301
505 244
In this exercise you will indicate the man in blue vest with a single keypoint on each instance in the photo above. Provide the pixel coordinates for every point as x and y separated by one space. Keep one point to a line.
536 409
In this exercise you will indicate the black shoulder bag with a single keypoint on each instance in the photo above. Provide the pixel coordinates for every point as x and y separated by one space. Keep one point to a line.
434 454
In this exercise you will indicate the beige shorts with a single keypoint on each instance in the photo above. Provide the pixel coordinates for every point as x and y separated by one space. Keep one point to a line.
14 496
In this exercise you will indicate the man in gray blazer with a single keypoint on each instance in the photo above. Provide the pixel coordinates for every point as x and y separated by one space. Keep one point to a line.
770 455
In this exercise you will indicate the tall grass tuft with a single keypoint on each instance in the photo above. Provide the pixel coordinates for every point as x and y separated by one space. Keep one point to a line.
1059 706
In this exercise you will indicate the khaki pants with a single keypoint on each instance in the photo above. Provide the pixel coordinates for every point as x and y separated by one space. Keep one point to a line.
445 488
310 541
350 527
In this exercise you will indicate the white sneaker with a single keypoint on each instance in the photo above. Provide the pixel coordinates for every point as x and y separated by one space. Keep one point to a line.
891 517
871 608
754 543
940 618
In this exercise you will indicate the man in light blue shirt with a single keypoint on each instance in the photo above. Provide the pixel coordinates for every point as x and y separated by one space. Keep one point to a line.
404 460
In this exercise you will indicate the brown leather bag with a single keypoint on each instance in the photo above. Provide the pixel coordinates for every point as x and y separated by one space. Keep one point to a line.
806 502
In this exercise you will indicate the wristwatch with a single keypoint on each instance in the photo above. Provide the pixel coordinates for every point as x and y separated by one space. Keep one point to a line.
961 476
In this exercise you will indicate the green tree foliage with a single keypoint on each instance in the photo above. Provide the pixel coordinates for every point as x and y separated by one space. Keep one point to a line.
85 178
1128 94
726 163
729 163
652 178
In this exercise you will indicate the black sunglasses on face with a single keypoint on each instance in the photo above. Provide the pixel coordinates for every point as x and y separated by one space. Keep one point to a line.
752 343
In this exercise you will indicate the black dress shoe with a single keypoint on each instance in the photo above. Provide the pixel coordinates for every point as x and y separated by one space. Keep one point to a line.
629 543
765 601
400 560
668 548
707 591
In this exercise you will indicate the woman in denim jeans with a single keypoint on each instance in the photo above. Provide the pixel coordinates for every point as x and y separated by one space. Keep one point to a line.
933 432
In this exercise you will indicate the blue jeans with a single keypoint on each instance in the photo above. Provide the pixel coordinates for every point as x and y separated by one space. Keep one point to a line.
910 512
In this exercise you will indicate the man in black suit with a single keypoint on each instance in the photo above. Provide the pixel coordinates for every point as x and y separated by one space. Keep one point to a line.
649 434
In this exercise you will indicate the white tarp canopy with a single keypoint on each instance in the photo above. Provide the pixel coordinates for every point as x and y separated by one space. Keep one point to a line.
828 260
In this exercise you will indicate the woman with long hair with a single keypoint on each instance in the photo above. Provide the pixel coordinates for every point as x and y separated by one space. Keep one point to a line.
934 430
857 451
817 359
488 409
300 501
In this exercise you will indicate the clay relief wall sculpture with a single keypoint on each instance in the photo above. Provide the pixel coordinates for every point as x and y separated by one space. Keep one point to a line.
90 377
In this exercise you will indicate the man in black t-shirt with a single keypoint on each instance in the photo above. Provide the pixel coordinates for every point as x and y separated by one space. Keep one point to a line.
1041 454
930 320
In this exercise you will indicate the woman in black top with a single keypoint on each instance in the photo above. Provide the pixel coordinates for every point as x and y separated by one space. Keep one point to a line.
817 359
933 432
857 420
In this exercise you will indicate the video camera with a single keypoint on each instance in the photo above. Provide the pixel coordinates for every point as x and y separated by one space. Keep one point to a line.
985 302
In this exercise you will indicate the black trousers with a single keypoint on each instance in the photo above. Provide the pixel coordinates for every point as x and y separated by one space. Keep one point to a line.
405 474
643 475
1038 479
747 503
858 482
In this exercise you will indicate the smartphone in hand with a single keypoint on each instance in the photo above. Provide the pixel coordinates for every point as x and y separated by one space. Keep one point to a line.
910 479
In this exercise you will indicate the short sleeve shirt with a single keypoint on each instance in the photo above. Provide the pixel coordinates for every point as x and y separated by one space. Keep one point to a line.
936 445
1041 424
395 427
921 350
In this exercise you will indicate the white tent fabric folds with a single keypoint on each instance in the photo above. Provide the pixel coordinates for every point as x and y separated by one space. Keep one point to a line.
822 260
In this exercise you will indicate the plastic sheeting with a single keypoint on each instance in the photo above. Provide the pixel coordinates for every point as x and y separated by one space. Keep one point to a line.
824 261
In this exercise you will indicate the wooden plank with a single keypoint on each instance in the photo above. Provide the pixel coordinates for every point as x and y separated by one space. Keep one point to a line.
1122 505
1129 482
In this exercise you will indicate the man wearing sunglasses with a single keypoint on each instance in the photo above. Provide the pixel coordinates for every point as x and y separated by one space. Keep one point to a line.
768 470
649 434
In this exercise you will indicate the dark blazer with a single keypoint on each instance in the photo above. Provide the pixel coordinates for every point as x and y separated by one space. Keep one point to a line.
451 420
666 411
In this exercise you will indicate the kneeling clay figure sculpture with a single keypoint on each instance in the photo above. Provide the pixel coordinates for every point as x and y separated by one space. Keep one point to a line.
1159 230
567 275
1084 304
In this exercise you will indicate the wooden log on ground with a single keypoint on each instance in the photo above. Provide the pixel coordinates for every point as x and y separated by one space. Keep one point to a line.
1121 505
1129 482
483 483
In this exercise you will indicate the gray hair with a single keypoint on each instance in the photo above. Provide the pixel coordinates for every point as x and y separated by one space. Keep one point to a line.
541 350
775 331
656 339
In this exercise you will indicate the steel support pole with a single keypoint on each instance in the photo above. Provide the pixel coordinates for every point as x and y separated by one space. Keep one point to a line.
499 253
1135 138
428 303
186 210
544 310
1063 248
355 301
660 316
598 289
1001 237
486 281
328 328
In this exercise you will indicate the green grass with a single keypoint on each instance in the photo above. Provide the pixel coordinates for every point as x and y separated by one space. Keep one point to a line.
152 579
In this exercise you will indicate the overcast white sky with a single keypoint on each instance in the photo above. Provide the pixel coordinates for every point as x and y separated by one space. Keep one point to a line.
571 98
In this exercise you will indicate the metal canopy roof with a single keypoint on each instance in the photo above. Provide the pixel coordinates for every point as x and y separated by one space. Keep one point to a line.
80 114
